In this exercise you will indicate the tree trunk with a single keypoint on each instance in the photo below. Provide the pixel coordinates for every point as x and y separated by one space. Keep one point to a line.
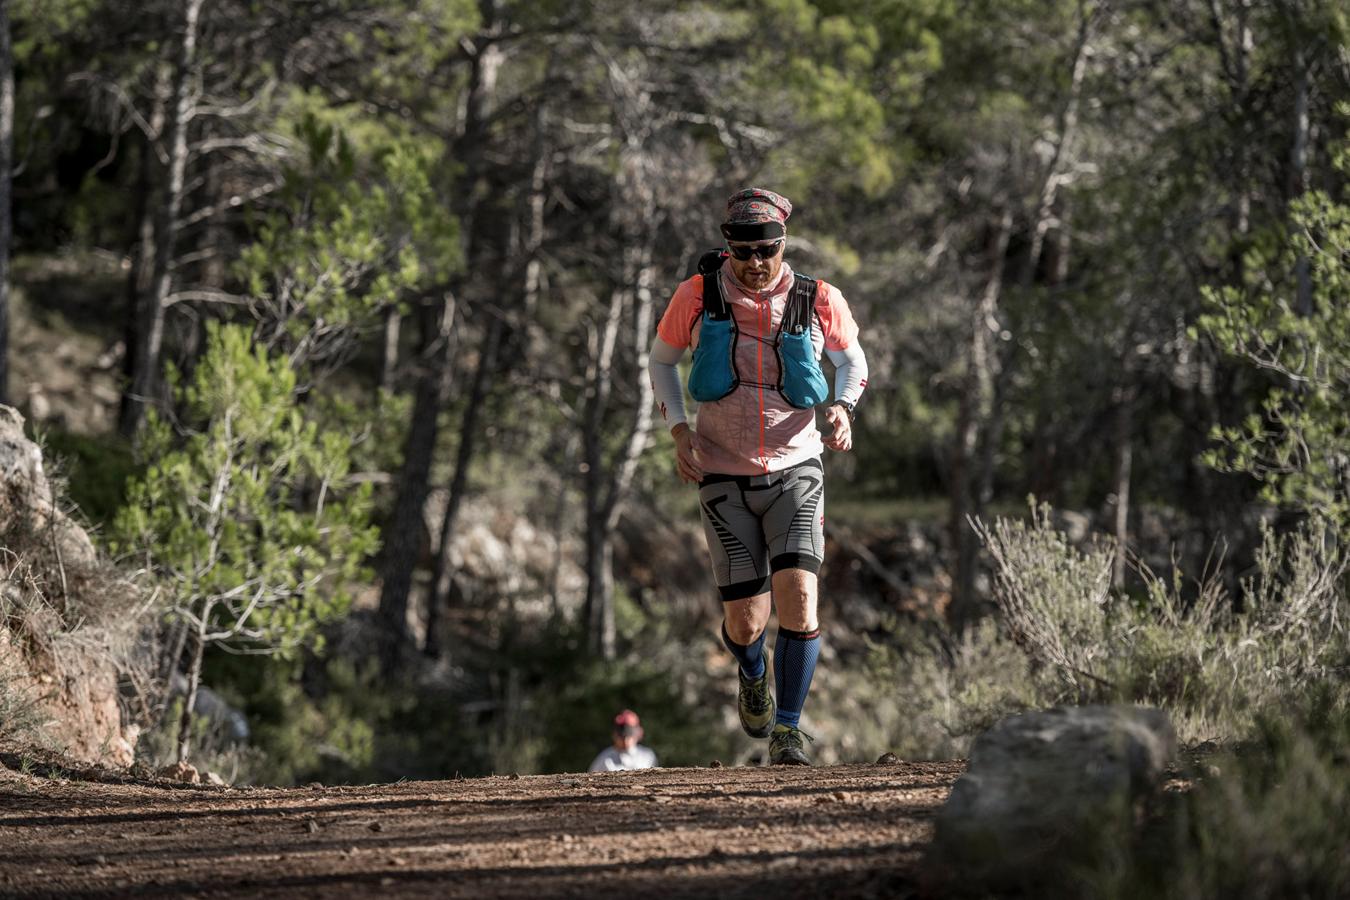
401 555
1066 130
558 526
403 537
194 677
143 251
150 317
6 169
1298 176
607 485
443 573
393 322
1124 459
973 417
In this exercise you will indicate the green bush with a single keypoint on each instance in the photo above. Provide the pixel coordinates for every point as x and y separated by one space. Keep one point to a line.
1265 821
1214 661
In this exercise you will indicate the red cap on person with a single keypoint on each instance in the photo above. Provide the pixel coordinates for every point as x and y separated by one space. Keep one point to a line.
627 719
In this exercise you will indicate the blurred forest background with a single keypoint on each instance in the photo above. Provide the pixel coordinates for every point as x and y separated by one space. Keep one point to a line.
334 315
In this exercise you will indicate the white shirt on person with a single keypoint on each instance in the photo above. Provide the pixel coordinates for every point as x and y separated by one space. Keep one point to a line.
612 759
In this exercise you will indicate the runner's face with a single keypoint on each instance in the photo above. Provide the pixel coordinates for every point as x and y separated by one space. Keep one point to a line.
757 273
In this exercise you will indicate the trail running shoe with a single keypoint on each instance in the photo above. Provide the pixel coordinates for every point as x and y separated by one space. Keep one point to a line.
755 704
785 747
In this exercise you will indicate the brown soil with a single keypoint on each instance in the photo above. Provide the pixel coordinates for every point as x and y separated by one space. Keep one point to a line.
841 831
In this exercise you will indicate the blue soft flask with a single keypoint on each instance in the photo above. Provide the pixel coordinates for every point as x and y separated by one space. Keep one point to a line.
713 375
804 384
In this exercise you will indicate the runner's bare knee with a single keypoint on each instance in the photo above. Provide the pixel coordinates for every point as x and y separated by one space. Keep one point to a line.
794 595
747 618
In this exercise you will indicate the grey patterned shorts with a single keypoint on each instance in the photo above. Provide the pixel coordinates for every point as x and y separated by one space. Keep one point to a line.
759 524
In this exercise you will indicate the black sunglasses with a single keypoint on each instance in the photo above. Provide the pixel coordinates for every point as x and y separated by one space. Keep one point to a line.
763 251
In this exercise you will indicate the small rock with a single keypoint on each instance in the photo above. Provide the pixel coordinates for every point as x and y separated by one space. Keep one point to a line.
660 798
887 759
213 778
786 862
841 796
515 776
566 838
101 860
315 786
397 861
715 764
386 881
312 826
183 771
571 782
376 826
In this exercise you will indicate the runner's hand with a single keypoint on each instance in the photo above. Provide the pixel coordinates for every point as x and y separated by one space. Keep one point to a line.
841 438
686 452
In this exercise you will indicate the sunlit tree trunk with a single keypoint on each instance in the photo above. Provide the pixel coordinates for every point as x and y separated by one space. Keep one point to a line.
1124 447
607 483
393 323
1298 175
194 678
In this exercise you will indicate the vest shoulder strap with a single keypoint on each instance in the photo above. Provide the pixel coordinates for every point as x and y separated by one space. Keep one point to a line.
714 303
797 316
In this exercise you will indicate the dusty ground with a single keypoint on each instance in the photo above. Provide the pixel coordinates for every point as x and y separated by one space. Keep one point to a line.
843 831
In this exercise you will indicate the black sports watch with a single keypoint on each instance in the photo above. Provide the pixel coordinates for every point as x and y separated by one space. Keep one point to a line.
846 407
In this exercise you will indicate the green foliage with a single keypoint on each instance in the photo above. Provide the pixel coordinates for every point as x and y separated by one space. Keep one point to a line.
96 471
1298 446
950 689
338 721
1213 663
556 701
356 236
243 516
1265 821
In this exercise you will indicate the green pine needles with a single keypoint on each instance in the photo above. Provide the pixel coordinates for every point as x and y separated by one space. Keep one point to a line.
1290 318
244 519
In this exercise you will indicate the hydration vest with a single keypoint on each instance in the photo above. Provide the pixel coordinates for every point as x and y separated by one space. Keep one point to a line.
714 376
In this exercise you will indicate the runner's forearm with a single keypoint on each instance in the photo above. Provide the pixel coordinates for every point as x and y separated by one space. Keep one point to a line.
665 376
850 373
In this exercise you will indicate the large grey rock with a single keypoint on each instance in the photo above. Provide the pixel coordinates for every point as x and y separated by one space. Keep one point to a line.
1046 792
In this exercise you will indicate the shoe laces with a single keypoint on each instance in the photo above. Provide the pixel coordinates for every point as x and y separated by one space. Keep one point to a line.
757 695
792 737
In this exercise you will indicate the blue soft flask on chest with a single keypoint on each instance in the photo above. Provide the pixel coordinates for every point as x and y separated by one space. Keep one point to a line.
801 381
713 375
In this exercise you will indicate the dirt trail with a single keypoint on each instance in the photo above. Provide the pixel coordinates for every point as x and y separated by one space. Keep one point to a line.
843 831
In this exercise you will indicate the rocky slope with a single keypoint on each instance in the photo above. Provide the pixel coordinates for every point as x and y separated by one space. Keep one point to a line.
68 620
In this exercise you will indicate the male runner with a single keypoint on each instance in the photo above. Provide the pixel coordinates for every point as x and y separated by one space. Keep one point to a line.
756 453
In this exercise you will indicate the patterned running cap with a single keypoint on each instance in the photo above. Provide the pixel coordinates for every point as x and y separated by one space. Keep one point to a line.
756 214
626 719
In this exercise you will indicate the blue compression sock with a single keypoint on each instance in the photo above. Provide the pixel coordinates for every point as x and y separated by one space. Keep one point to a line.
795 655
750 656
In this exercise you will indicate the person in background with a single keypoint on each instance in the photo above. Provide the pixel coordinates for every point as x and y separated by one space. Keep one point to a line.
625 753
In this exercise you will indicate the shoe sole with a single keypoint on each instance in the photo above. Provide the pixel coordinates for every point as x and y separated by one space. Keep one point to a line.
759 735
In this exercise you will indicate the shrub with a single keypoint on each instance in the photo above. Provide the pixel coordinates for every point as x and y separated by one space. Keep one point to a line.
1213 660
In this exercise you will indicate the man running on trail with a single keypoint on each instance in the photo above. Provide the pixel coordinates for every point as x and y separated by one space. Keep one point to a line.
758 331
